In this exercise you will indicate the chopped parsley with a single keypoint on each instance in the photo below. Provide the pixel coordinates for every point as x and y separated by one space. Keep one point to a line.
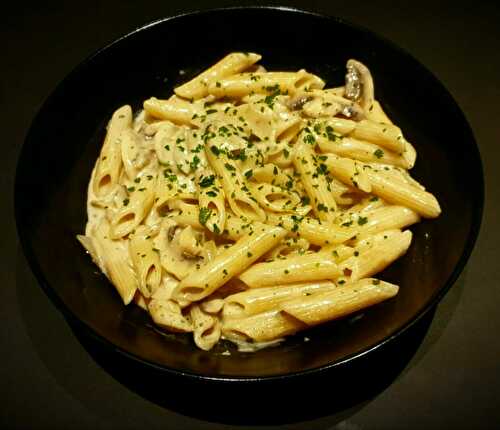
207 181
378 153
362 220
310 139
194 163
205 214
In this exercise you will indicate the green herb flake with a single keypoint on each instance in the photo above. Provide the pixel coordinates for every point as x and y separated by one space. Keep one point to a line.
378 153
322 207
207 181
362 220
310 139
205 214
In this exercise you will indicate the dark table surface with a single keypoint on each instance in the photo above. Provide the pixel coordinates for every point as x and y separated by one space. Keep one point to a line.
48 380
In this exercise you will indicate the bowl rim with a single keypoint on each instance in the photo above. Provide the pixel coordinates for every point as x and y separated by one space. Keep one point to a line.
73 319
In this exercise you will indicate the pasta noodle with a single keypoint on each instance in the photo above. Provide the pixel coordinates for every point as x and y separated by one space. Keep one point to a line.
252 204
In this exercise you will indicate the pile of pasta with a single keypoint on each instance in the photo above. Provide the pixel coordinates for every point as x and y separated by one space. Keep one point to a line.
251 205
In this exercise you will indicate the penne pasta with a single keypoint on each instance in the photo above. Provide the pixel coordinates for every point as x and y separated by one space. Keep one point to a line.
377 257
316 266
314 179
231 64
262 327
260 300
229 263
108 166
398 192
339 302
252 204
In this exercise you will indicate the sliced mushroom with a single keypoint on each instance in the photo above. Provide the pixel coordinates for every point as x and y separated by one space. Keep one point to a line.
323 104
297 102
359 84
173 256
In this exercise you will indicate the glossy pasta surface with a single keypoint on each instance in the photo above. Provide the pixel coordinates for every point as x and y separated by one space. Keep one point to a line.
253 204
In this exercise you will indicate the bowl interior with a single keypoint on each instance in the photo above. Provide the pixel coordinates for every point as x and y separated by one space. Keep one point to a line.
66 136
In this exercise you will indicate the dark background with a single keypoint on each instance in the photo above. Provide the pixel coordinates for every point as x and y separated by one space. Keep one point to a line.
48 380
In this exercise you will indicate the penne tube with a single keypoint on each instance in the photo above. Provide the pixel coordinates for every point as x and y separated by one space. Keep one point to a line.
168 315
114 255
316 232
260 83
342 193
342 126
146 262
231 64
134 209
109 164
240 197
174 109
348 171
361 150
212 306
262 327
376 258
206 328
362 244
234 227
399 193
386 135
316 266
313 177
409 154
339 302
375 113
366 205
259 300
386 218
229 263
274 198
211 199
129 148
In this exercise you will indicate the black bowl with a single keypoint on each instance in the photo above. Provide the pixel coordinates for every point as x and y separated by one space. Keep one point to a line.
65 138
